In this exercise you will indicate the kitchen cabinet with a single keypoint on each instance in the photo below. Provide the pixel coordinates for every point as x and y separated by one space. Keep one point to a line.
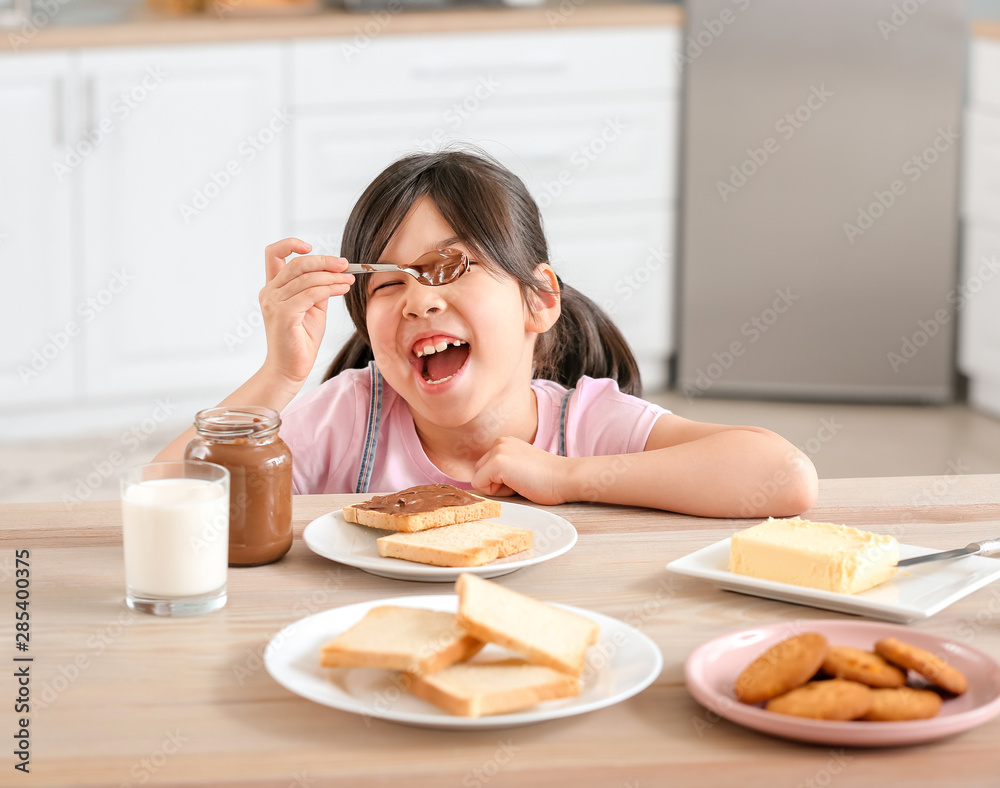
140 188
156 175
177 206
977 293
42 346
586 118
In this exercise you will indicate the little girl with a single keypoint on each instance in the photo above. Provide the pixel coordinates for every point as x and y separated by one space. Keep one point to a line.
501 379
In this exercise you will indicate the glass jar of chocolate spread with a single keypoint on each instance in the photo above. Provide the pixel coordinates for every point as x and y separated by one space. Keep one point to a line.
245 440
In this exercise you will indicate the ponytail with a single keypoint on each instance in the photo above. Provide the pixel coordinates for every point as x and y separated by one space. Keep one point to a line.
355 354
585 341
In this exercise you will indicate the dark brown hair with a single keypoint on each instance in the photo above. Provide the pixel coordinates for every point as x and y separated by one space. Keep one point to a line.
493 214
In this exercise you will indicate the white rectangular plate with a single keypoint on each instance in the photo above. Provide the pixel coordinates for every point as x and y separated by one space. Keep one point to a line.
916 592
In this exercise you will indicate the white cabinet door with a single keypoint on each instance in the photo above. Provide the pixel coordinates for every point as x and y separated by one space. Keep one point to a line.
180 196
469 69
568 154
624 262
41 328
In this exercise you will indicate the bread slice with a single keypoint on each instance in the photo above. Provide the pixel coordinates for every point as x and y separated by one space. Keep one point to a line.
476 689
465 544
541 633
452 506
401 638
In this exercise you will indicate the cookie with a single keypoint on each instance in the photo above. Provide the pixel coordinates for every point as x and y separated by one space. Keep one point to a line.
902 703
783 667
836 699
865 667
931 667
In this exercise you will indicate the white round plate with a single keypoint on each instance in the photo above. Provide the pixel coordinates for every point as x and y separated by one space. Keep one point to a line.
622 663
331 536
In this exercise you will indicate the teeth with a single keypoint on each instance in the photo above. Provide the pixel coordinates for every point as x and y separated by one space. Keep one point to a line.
435 382
430 349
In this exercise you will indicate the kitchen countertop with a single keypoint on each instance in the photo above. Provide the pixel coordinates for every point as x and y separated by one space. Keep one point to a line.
123 698
146 27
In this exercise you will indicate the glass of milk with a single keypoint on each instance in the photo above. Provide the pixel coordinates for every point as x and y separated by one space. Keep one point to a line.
175 518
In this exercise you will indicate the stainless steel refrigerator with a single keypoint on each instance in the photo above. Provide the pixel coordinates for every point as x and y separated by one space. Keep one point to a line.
819 230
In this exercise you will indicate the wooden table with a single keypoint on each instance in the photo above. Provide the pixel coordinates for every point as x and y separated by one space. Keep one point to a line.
119 698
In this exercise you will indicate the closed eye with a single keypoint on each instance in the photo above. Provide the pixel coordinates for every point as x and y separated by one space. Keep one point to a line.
383 285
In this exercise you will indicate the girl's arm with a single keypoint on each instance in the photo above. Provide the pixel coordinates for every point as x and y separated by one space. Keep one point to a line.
293 303
709 470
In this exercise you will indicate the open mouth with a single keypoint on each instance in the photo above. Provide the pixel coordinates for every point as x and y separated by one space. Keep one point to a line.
437 359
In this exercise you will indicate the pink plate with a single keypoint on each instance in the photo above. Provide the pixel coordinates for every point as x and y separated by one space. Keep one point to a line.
713 667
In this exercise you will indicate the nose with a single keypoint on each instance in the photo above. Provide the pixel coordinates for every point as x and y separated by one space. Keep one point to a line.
422 300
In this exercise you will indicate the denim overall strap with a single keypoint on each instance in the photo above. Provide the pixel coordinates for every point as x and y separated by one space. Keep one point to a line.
371 434
562 423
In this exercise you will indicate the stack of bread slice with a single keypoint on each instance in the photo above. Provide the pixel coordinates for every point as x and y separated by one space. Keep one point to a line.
432 647
449 535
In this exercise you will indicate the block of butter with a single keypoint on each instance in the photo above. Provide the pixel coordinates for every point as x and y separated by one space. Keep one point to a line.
815 555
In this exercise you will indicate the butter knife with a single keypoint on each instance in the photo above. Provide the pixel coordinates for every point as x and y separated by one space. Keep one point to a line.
976 548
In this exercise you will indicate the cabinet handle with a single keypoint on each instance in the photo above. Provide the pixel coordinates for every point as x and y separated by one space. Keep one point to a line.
88 104
59 113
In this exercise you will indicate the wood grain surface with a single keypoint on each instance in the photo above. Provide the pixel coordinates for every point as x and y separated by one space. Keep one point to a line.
120 698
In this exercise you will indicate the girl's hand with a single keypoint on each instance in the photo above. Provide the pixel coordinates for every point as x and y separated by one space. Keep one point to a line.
293 303
513 467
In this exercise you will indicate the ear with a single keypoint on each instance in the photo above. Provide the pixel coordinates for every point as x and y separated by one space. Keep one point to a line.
546 305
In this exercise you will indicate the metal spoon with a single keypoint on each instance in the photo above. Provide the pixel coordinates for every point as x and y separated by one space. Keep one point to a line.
435 268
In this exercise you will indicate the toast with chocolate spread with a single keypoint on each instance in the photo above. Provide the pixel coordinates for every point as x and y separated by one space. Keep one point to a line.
422 507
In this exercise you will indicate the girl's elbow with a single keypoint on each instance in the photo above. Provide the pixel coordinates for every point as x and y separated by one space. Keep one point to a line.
802 489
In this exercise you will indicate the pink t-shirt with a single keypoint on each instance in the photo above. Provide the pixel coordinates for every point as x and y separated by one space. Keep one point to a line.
326 430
